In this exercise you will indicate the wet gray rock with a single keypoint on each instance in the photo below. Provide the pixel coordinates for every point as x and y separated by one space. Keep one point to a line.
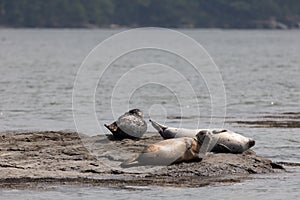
29 159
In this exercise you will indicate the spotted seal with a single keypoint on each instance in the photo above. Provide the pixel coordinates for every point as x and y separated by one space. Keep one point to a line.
187 149
226 141
129 125
167 152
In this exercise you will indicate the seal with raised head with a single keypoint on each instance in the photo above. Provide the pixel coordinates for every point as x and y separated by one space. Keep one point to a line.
168 152
225 141
129 125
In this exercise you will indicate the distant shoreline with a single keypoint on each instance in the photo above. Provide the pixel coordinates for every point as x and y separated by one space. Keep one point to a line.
115 14
126 28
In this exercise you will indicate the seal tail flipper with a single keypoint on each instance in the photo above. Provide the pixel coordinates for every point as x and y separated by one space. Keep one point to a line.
112 127
132 162
159 127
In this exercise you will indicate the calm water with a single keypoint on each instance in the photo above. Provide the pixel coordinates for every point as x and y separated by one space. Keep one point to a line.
260 70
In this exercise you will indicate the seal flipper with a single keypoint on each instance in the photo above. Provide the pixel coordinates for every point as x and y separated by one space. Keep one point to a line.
159 127
132 162
219 131
207 142
221 148
163 130
112 127
117 132
205 146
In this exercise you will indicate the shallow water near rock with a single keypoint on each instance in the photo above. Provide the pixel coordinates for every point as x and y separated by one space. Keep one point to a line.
260 70
271 185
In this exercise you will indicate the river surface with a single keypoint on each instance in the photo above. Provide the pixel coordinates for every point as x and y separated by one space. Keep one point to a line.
260 70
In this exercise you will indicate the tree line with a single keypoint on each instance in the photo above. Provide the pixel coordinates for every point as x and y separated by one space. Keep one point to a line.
138 13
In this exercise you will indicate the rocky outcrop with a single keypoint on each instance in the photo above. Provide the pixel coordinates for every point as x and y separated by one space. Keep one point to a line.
28 159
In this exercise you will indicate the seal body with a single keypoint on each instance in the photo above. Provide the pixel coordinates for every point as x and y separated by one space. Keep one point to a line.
129 125
166 152
220 140
171 132
227 141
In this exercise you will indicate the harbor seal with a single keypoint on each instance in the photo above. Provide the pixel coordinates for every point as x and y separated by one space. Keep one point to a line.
226 141
187 149
129 125
168 152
